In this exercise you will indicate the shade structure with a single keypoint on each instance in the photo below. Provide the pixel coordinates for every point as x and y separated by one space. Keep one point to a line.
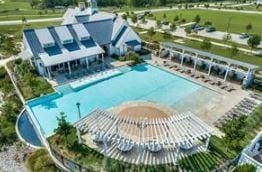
168 135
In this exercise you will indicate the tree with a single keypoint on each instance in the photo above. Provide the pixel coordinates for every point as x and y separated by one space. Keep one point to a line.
158 23
249 27
151 32
234 50
227 37
124 16
176 18
188 30
172 26
166 35
134 18
245 168
163 2
24 20
208 23
254 41
197 19
206 6
64 127
164 16
206 44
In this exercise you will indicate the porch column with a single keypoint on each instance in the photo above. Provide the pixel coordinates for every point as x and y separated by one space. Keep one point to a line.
69 68
97 57
195 64
227 70
103 58
170 57
182 60
210 67
48 72
87 63
207 143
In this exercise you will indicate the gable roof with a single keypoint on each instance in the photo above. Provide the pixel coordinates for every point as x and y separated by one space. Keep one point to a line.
101 31
60 53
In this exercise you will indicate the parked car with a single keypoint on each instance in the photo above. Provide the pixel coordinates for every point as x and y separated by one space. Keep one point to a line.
243 36
210 29
198 28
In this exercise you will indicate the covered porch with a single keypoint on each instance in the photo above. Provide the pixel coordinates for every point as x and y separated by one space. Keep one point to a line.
211 64
76 68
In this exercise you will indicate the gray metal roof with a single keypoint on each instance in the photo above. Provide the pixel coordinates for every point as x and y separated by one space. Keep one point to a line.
44 36
70 56
101 31
63 33
207 54
81 31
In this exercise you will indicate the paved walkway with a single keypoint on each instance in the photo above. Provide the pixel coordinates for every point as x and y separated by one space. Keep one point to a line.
16 22
5 61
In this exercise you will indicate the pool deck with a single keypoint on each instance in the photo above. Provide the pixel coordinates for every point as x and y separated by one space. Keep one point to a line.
213 110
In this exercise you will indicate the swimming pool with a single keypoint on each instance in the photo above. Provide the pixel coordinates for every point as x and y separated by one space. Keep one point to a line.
142 82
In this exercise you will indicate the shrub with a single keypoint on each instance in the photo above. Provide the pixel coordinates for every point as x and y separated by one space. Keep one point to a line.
40 161
245 168
134 57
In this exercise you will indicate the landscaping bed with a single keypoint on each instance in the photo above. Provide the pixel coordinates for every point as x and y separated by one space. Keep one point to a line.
30 84
9 110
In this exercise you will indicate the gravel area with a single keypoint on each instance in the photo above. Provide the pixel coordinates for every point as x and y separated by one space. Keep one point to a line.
12 158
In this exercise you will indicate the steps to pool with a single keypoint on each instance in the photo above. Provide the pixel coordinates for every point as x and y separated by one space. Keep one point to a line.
94 78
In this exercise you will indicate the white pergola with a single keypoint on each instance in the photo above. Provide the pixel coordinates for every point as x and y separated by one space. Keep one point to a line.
211 59
183 131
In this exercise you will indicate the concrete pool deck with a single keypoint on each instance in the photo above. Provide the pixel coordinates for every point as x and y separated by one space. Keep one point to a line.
212 111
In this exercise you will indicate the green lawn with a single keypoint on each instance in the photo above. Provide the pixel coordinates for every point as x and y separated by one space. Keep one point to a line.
17 30
218 18
15 9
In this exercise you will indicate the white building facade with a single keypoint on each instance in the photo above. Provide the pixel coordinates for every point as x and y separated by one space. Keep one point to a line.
85 35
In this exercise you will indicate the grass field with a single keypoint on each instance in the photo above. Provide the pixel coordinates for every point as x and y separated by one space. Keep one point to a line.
17 30
218 18
15 9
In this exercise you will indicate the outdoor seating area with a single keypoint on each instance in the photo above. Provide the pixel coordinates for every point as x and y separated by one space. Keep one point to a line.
77 73
243 108
138 140
221 68
214 81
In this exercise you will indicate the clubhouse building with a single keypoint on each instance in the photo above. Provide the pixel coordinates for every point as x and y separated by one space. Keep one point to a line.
86 36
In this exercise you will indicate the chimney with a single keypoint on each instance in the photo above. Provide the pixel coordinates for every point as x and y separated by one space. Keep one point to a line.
81 6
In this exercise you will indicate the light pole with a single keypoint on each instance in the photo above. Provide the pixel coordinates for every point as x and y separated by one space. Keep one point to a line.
79 117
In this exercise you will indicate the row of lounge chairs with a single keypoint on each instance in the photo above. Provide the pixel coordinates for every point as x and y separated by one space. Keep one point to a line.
243 108
204 78
256 96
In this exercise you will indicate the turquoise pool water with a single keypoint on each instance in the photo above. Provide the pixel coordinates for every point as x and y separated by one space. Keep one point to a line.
142 82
